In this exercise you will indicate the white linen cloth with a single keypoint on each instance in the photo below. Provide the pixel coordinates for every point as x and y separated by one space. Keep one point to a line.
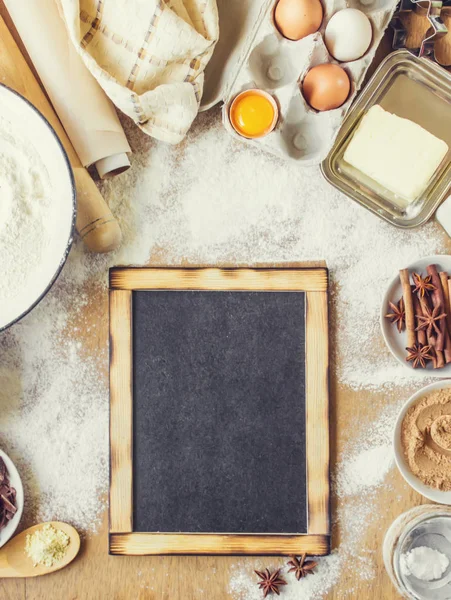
148 55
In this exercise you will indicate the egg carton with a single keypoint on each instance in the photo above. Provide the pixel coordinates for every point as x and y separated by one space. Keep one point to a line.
277 65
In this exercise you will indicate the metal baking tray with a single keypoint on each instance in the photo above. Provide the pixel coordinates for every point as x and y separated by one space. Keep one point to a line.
413 88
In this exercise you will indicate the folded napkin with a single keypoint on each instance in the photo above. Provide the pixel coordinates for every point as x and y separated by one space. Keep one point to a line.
148 55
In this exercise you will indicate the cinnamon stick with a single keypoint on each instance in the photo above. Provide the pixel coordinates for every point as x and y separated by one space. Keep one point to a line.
438 360
421 334
447 348
445 289
404 277
449 293
438 299
446 293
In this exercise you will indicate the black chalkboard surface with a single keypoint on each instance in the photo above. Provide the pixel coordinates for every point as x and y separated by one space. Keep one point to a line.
219 411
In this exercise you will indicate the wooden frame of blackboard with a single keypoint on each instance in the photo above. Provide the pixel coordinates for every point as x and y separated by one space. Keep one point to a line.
314 282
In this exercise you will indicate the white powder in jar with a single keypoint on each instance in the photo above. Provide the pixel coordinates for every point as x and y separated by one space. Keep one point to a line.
34 227
424 563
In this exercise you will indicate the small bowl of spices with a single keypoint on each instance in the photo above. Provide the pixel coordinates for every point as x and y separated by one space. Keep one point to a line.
11 498
422 441
416 317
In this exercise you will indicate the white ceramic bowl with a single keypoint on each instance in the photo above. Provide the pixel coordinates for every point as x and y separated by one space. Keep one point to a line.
14 478
30 125
412 480
396 341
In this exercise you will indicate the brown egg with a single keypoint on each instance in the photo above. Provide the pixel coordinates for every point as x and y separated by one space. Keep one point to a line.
326 87
295 19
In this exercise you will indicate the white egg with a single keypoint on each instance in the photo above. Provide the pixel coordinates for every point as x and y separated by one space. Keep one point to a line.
348 34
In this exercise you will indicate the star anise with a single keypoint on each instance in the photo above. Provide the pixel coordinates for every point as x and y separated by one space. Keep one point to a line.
429 320
398 314
270 582
423 286
418 355
300 567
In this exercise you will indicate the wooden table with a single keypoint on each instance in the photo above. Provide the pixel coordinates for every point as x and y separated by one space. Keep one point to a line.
97 576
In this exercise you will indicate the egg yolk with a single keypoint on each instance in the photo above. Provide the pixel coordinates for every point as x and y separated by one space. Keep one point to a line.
252 115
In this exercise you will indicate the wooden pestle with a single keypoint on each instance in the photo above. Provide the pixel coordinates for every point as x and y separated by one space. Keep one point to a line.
95 224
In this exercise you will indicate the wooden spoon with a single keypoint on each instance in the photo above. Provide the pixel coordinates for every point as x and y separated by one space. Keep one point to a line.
14 562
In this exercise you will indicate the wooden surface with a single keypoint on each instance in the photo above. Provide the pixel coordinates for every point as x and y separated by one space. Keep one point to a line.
121 412
314 282
198 543
317 398
95 575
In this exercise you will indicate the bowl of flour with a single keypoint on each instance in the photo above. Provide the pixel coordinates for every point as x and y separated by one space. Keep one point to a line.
37 207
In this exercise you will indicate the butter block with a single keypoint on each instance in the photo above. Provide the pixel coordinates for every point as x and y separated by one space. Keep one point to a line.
396 153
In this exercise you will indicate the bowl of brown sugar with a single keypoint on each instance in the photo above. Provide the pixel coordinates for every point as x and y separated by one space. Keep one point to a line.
422 441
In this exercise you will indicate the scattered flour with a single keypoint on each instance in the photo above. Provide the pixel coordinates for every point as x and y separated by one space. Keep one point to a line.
212 200
367 460
367 469
311 587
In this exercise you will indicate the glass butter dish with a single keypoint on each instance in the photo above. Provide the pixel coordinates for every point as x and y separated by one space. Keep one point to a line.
412 88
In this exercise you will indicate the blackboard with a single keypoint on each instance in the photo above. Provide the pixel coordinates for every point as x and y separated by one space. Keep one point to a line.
215 384
219 411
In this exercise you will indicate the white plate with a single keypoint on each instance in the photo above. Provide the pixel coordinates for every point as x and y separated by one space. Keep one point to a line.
14 479
396 341
412 480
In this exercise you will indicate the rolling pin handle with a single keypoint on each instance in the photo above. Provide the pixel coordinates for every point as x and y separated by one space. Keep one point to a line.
443 215
104 236
96 224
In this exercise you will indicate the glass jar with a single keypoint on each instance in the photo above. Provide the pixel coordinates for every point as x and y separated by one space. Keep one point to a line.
427 525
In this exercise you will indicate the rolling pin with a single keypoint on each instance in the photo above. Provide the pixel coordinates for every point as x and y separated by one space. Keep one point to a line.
95 223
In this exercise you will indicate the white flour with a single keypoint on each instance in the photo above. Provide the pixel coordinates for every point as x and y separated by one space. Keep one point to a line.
369 457
31 228
368 468
212 200
424 563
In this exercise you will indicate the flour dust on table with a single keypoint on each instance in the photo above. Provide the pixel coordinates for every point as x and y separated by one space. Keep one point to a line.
368 458
210 200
